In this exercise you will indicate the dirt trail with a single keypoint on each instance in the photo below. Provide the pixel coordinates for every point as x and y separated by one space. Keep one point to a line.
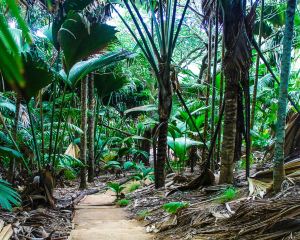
96 218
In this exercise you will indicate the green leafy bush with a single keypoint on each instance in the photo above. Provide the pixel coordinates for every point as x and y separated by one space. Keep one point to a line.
134 186
228 195
174 207
129 165
115 187
144 173
8 196
123 202
112 165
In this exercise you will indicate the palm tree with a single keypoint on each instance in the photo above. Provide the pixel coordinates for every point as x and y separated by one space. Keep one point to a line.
278 173
237 30
157 40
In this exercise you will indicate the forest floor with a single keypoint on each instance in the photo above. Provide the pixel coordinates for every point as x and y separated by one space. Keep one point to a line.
209 214
97 218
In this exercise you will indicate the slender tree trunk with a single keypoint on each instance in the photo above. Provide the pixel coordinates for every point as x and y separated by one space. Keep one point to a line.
208 82
212 120
91 129
257 67
193 157
12 164
83 139
278 173
42 129
221 102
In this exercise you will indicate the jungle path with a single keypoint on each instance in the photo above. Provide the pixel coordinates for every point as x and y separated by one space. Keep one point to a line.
97 218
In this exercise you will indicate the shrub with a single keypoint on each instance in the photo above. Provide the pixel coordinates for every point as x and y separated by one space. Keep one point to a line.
123 202
174 207
134 186
228 195
116 187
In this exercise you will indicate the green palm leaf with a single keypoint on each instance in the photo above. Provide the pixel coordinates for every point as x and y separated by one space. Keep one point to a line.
83 68
80 39
8 196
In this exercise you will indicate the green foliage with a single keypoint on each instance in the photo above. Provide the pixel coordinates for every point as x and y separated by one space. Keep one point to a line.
8 196
227 195
83 68
37 75
129 165
70 174
143 173
123 202
110 79
115 187
112 165
80 39
67 162
134 186
9 152
174 207
143 213
181 145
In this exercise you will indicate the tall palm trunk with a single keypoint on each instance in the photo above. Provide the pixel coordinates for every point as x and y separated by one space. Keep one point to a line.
237 61
91 129
164 110
12 164
278 174
229 133
83 138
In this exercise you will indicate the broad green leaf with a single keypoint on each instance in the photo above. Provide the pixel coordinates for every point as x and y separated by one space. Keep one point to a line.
181 145
8 196
145 108
9 152
83 68
80 39
37 75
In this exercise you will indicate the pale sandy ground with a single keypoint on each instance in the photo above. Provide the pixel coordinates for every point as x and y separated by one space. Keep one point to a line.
96 218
